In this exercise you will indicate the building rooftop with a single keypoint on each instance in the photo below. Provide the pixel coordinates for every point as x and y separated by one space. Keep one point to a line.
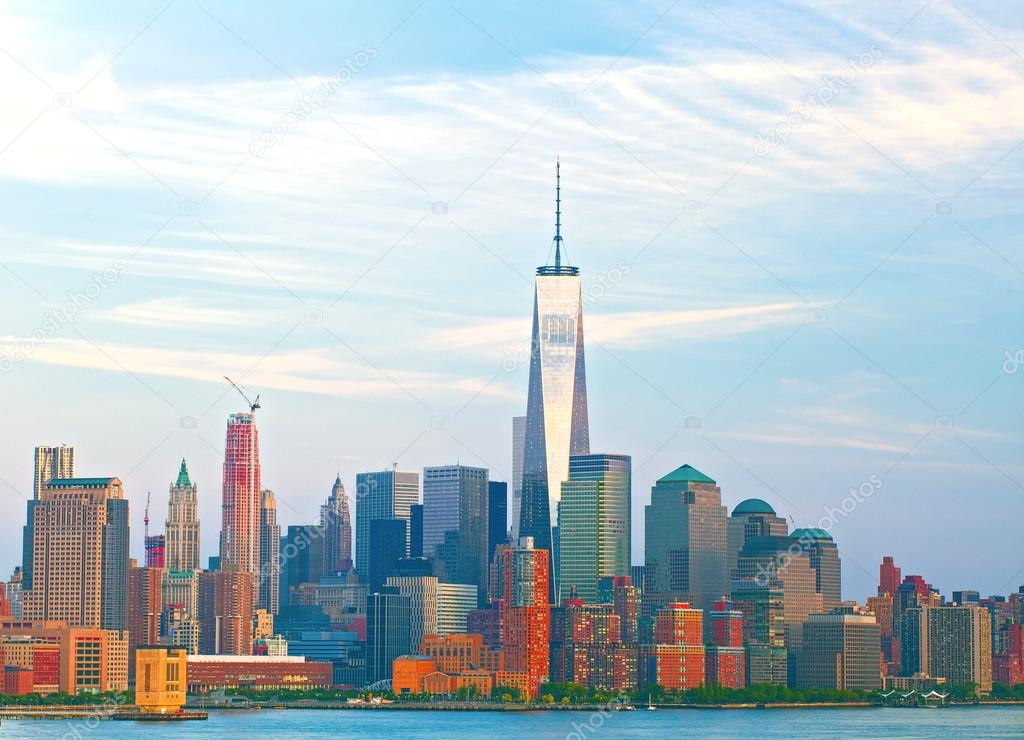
753 506
811 533
686 474
80 482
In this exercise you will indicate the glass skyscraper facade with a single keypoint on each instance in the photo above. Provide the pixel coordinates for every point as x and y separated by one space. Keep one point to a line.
455 509
556 411
387 494
594 523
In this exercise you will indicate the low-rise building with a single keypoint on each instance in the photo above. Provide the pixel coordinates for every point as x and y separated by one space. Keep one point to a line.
213 672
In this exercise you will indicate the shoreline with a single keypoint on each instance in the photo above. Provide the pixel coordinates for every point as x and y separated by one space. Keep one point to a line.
102 712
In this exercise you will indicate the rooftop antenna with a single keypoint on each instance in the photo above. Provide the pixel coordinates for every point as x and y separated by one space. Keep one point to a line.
145 518
558 212
253 405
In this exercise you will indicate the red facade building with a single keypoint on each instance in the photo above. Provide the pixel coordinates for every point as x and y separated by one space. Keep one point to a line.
240 518
524 612
1008 666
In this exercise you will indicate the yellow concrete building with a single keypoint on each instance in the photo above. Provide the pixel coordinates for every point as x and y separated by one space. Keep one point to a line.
160 679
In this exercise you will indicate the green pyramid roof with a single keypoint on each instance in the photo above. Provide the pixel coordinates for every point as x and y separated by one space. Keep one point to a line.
183 481
685 474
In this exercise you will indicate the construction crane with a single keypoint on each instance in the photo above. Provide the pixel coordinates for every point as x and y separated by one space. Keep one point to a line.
253 405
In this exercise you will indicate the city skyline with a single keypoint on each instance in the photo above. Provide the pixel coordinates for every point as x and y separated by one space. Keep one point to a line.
799 321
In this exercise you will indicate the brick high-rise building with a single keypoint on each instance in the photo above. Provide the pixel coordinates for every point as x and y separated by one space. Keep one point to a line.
181 529
145 598
624 596
587 647
240 517
80 554
524 610
676 659
227 602
5 605
1008 665
888 576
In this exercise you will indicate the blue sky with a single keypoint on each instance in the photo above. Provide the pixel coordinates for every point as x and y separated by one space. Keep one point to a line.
798 228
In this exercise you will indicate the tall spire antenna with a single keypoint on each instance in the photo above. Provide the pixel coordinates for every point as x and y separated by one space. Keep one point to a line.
558 212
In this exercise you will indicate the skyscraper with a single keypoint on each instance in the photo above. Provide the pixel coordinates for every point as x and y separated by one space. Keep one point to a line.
386 494
337 524
686 545
518 449
524 610
388 538
240 522
302 558
387 631
226 605
145 598
182 526
52 462
556 412
752 518
497 516
826 563
888 576
840 651
268 596
594 523
423 605
455 499
80 554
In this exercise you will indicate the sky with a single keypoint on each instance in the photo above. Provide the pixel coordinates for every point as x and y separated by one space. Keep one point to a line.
797 226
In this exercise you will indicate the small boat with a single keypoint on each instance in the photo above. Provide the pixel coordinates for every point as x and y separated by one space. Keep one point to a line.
650 705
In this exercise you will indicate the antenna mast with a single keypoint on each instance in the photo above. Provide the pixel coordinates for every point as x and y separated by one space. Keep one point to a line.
145 518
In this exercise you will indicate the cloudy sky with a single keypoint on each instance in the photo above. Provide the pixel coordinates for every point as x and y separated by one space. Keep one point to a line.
795 227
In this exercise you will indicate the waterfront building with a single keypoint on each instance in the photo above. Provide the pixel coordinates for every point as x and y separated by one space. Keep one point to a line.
557 423
764 629
88 660
676 659
594 523
387 494
388 627
80 554
208 673
181 529
336 521
524 610
587 647
751 518
840 651
958 643
240 519
422 592
686 544
160 679
1008 664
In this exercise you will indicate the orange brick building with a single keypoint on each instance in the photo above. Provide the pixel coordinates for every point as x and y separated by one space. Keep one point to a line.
87 660
408 672
524 611
457 653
